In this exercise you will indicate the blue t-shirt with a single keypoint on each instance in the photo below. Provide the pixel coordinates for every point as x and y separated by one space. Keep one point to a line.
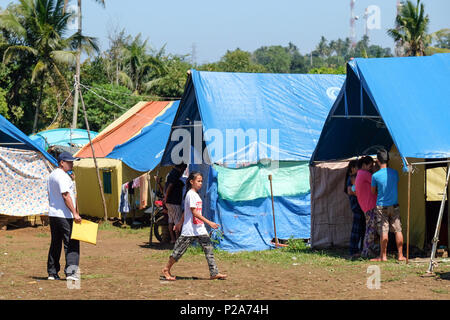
386 181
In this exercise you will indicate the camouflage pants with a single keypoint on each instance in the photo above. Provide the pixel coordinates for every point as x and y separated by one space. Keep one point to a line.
184 242
370 246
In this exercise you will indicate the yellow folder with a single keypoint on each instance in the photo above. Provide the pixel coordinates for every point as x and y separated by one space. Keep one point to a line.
85 231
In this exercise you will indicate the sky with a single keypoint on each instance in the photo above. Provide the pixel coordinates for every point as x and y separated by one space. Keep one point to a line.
213 26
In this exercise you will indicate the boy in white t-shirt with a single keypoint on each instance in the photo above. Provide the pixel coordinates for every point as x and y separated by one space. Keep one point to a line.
193 229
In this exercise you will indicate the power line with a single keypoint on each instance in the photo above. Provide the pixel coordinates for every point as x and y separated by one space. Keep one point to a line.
123 108
133 95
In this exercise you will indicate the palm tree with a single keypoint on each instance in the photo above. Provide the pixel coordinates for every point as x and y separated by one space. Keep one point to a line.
322 48
411 26
140 65
79 48
39 28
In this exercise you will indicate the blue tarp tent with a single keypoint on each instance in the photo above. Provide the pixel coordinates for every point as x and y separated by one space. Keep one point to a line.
63 137
237 128
144 151
402 105
12 137
407 98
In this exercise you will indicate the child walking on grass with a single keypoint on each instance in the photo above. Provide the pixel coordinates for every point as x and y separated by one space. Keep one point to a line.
193 229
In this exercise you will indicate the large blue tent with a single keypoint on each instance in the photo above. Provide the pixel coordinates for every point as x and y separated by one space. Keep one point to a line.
407 98
401 105
251 126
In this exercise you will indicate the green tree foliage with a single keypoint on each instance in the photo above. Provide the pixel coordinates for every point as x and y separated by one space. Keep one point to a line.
171 84
236 61
411 27
276 59
328 70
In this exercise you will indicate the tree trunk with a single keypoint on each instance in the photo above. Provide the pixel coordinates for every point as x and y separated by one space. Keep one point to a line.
77 75
38 105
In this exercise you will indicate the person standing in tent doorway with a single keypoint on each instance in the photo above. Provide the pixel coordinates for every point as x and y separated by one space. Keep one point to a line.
63 212
359 219
385 186
173 198
193 223
367 201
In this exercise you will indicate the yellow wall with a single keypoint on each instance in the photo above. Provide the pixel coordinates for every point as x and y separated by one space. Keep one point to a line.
417 222
88 190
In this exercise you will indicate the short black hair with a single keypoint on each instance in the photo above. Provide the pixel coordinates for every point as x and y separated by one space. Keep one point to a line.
364 160
383 156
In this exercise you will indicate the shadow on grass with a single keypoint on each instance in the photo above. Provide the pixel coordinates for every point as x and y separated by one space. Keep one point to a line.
157 246
182 278
443 275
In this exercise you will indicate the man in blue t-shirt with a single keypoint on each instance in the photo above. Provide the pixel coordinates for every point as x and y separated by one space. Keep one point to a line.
384 185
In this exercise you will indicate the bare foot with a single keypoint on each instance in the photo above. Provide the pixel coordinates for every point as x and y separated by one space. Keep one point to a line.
378 259
401 258
219 276
167 275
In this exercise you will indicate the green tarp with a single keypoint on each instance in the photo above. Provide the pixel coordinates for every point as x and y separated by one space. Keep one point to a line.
250 183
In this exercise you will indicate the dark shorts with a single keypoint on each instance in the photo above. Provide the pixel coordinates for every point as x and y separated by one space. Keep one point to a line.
389 219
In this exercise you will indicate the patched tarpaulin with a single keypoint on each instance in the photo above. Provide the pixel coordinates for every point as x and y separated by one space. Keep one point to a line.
244 120
240 201
23 182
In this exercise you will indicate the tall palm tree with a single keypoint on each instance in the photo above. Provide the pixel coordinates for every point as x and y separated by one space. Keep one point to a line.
140 65
39 27
411 26
78 56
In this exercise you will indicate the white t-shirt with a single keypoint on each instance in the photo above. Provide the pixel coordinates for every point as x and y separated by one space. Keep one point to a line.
59 182
191 225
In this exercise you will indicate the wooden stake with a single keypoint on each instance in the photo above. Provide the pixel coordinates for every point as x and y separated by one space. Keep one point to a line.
273 212
95 159
409 210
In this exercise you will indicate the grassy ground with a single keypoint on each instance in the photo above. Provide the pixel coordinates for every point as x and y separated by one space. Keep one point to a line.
123 266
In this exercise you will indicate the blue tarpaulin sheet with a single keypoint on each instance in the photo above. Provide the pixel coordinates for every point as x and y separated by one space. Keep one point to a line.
144 151
280 115
385 101
63 137
10 136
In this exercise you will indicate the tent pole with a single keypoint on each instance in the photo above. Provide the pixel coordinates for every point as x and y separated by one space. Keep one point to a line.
409 211
438 225
95 159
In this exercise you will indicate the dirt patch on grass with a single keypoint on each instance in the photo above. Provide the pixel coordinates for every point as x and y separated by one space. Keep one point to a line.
123 266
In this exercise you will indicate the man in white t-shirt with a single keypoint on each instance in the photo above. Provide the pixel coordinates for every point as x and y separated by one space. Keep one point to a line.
63 212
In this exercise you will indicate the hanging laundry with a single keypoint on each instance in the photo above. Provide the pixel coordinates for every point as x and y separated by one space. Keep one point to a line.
136 183
124 206
143 182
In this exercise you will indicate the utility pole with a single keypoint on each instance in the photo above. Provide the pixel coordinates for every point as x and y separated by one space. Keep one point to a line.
77 73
